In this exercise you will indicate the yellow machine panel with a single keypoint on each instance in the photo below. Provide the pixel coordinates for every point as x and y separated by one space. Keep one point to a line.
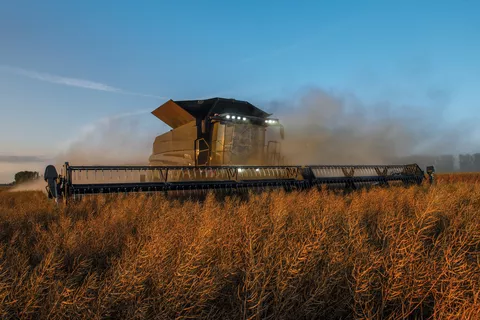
175 146
172 114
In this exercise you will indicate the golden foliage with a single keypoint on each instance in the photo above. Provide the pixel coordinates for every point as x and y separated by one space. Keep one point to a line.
4 188
381 254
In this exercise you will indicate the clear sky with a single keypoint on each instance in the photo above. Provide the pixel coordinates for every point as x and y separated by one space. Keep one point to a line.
66 64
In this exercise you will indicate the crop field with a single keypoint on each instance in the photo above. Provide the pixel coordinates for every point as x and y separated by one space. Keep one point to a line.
390 253
4 188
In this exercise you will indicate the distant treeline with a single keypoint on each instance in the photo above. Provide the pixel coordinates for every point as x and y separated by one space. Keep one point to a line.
22 177
448 162
25 176
7 184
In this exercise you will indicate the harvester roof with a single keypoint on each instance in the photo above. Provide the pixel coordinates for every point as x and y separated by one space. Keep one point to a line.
178 113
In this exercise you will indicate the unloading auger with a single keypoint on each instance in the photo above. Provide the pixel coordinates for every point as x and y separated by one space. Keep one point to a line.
220 145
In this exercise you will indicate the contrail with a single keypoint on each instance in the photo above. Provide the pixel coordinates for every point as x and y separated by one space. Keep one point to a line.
72 82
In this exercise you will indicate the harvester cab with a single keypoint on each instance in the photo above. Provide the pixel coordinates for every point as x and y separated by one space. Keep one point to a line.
217 132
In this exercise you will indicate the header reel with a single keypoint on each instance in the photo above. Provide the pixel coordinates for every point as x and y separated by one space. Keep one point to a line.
80 181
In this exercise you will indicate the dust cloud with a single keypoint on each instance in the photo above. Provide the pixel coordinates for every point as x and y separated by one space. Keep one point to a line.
324 128
118 140
35 185
320 128
113 141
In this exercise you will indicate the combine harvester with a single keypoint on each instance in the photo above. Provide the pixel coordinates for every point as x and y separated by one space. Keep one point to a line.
222 145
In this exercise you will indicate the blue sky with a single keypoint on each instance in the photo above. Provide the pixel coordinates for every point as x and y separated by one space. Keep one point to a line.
65 64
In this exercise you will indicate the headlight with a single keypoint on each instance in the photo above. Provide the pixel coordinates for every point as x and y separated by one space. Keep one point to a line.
228 116
244 119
